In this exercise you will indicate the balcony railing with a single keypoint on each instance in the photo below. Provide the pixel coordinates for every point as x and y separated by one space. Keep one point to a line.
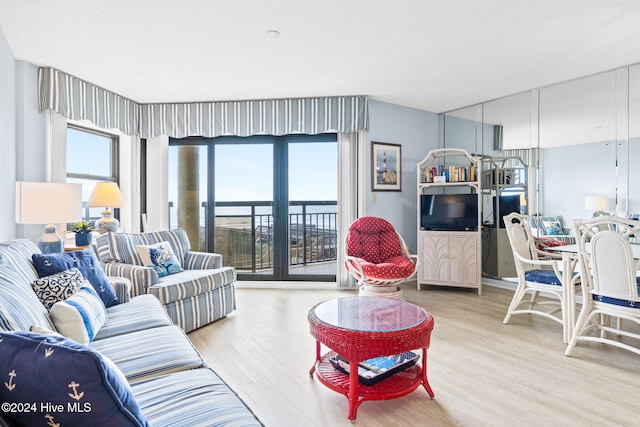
244 233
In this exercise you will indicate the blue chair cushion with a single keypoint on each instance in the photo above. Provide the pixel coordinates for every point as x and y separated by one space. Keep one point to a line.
86 262
64 383
547 277
618 301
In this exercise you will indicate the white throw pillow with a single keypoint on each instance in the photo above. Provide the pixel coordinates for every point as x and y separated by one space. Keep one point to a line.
44 331
160 257
81 316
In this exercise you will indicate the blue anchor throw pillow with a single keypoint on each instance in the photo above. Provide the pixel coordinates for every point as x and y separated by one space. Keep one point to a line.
85 261
48 380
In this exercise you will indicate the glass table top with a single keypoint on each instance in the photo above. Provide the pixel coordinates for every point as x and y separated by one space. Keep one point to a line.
370 314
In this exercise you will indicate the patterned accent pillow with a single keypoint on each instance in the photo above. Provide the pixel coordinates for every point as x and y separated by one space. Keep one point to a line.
87 262
81 316
160 256
553 228
58 287
39 368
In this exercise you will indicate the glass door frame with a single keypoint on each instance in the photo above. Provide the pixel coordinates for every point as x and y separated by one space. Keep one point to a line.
280 202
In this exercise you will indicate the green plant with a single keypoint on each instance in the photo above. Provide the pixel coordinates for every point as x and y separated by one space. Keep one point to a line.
83 227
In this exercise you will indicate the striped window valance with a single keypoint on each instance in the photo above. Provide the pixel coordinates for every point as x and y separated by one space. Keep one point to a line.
79 100
245 118
76 99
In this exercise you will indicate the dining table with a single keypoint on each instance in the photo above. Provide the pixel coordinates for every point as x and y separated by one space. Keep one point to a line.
570 274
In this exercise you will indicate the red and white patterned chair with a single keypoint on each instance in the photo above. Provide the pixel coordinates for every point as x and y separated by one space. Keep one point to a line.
377 256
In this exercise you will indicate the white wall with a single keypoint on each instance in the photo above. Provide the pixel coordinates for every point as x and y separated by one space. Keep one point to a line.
7 140
31 136
417 132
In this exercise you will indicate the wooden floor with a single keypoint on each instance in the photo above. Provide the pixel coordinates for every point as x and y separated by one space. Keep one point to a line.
483 373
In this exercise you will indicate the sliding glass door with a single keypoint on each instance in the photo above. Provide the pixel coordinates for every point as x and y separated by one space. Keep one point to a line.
267 204
312 208
244 217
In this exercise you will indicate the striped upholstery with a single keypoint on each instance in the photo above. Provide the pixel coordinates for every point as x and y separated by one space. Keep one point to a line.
202 260
567 237
201 294
150 353
192 398
188 283
140 277
16 254
122 287
20 308
120 247
202 309
145 309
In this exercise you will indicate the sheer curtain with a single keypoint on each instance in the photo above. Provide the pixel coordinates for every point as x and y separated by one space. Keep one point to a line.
350 195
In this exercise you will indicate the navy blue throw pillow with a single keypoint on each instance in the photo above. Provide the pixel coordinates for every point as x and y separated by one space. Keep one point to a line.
86 262
56 381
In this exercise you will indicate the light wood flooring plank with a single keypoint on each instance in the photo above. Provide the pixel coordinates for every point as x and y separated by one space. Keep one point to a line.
483 373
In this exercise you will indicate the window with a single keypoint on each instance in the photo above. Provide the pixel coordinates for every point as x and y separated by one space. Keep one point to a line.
92 156
268 204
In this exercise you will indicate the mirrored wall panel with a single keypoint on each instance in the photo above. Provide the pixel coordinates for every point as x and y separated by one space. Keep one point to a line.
577 142
633 153
581 140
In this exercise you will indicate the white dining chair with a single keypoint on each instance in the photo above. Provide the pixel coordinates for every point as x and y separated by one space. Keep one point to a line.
609 283
539 277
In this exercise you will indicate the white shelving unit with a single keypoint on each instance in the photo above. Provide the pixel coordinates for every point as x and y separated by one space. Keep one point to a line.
450 257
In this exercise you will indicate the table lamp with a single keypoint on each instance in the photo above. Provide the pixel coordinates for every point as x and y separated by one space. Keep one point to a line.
595 203
106 194
48 203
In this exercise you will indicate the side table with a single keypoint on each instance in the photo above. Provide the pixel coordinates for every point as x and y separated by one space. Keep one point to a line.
74 248
360 328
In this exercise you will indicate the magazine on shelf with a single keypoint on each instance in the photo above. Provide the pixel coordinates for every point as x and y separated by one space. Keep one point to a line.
373 370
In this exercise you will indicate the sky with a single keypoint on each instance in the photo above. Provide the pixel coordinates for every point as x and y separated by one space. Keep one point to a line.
244 172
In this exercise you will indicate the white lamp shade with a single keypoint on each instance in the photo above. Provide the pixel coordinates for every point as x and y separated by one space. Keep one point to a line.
48 202
595 203
106 195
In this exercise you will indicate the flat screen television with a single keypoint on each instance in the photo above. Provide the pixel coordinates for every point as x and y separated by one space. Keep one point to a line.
455 212
507 204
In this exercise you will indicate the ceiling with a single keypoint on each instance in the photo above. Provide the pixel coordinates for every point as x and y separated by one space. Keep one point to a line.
434 55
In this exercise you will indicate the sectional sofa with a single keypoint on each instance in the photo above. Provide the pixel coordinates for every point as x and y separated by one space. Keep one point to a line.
138 368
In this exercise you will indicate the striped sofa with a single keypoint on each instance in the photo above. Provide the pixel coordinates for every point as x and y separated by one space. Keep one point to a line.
141 355
202 293
552 227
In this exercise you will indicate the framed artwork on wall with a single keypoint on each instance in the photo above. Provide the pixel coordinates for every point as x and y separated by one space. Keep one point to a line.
386 167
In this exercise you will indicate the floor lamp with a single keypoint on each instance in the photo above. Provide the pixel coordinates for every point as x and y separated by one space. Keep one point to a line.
48 203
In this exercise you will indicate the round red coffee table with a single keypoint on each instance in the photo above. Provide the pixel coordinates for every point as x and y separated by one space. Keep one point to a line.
360 328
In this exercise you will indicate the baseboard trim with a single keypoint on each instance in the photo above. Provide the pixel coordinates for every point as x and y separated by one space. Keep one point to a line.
301 285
